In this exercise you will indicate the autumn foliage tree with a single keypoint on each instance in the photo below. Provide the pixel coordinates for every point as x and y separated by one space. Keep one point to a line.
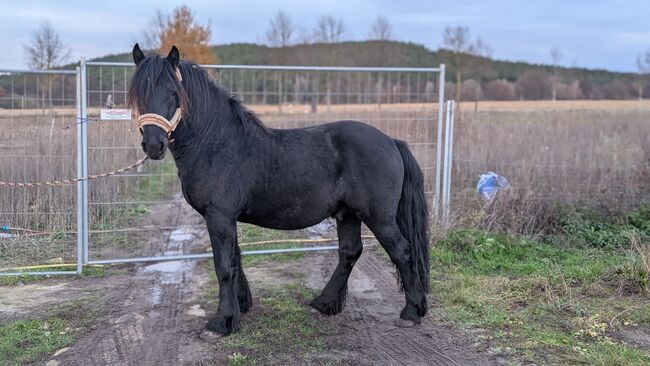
182 30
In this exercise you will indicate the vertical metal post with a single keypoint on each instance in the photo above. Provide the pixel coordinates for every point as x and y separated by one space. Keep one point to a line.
80 231
84 156
444 166
449 144
441 103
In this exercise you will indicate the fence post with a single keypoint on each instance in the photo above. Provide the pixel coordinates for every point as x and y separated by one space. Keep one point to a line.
79 175
446 180
441 103
84 156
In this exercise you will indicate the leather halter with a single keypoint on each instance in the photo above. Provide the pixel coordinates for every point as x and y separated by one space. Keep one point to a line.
161 122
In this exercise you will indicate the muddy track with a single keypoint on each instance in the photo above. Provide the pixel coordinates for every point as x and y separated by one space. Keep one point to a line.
370 319
153 317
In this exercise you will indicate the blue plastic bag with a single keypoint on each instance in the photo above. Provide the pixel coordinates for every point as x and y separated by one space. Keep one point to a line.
489 184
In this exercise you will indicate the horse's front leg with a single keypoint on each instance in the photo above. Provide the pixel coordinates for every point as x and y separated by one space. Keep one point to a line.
223 237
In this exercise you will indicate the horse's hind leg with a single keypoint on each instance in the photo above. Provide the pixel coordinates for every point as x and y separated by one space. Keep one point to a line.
332 299
398 249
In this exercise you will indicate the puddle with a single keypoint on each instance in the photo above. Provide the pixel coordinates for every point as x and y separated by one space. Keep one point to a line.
169 273
170 267
325 229
196 310
155 294
180 235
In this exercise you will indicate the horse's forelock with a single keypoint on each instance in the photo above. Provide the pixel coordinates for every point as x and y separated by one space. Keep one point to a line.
145 77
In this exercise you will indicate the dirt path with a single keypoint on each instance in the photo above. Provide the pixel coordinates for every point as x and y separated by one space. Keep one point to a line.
152 314
371 313
152 319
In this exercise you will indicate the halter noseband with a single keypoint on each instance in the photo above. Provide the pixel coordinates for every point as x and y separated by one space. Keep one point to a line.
157 120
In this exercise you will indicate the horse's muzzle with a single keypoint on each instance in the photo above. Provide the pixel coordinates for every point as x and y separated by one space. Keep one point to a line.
154 150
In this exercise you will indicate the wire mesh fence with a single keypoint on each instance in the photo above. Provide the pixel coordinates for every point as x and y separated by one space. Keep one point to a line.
400 102
551 154
37 143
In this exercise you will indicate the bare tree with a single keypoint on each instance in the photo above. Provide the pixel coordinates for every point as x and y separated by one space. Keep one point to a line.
556 56
329 29
155 29
461 51
280 31
46 49
304 36
643 67
381 29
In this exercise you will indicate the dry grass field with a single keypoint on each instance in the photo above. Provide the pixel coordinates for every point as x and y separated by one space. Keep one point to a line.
593 152
573 292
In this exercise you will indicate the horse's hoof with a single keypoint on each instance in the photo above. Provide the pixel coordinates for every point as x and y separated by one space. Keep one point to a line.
411 313
327 306
403 323
224 325
209 336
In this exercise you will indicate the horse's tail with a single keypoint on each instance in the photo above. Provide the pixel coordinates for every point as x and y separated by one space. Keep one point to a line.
412 216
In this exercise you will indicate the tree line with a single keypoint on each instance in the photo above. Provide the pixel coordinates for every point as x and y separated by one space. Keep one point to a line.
472 74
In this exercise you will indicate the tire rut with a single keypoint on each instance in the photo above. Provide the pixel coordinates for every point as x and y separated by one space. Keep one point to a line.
371 313
147 319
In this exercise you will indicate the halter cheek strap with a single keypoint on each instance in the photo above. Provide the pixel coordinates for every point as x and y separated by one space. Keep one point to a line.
159 121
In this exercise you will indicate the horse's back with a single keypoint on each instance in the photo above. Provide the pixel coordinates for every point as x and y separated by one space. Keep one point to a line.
320 170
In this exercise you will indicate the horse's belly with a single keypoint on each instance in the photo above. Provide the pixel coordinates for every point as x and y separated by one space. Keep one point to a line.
290 214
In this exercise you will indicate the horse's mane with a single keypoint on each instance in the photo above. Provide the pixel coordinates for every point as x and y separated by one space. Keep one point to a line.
196 93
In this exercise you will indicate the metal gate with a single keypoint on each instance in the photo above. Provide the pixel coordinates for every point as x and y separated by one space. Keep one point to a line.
404 103
40 140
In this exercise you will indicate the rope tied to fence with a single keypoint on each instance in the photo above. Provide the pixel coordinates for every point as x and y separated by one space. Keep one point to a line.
76 180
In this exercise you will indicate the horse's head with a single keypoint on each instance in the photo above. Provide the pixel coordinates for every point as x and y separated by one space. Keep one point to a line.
158 97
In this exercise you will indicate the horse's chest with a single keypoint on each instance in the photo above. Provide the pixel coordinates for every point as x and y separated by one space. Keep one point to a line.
193 194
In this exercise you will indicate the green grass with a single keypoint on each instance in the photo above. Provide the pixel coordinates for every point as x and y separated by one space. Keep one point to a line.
250 233
88 272
27 341
31 340
155 187
547 301
279 325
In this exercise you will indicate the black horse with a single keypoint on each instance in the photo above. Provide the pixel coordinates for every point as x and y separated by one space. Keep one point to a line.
233 168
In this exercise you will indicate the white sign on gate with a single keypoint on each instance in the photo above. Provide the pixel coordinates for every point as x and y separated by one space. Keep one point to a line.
115 114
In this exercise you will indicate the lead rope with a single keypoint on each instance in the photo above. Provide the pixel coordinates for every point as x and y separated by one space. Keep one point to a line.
76 180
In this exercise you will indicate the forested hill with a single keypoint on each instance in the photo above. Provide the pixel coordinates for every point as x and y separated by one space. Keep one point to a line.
613 85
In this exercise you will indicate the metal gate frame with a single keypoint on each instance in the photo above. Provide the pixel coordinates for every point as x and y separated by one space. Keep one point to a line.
81 172
442 191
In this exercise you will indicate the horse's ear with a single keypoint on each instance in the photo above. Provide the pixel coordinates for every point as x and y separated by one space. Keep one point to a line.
174 57
138 55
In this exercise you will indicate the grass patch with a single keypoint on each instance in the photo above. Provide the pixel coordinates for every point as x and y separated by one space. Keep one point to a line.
155 187
248 233
29 340
278 326
587 228
88 272
546 300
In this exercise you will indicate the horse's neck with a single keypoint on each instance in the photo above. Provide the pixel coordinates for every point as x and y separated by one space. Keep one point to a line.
227 136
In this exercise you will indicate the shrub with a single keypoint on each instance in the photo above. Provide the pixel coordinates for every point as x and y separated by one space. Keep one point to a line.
587 228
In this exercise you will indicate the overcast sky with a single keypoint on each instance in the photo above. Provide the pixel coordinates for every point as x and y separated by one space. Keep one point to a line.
589 33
